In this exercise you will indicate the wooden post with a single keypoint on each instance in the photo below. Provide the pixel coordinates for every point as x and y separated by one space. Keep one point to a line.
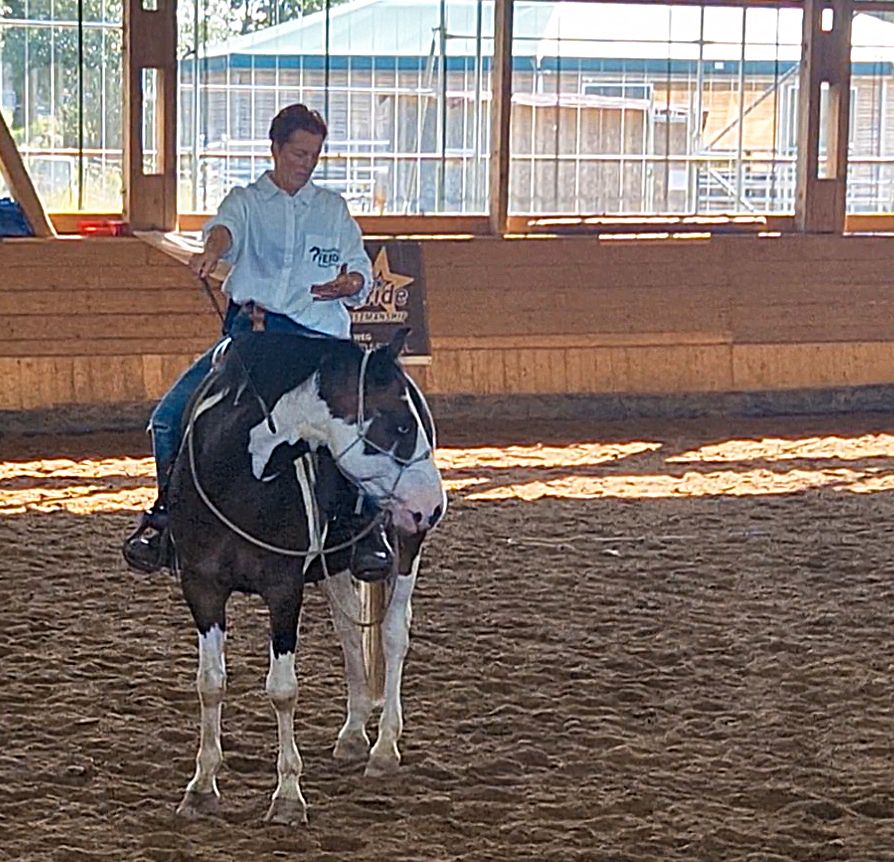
821 201
150 44
501 116
20 186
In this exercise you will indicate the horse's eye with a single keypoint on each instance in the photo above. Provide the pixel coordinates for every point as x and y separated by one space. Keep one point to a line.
403 430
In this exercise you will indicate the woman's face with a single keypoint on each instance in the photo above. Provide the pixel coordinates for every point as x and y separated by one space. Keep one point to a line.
295 160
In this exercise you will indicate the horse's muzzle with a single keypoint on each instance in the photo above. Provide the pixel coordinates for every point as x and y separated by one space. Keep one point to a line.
412 522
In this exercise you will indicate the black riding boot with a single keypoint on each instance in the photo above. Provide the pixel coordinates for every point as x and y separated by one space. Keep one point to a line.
148 548
372 558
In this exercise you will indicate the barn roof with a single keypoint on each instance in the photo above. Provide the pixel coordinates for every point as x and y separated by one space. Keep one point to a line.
550 31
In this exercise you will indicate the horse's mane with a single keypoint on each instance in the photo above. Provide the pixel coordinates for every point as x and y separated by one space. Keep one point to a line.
278 362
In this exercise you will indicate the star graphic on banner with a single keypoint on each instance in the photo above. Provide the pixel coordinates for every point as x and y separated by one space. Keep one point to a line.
387 285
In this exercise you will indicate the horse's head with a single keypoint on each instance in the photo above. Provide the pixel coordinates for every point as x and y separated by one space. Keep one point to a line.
382 435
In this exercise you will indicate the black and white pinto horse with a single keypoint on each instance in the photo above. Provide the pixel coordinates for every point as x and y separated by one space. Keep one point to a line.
280 438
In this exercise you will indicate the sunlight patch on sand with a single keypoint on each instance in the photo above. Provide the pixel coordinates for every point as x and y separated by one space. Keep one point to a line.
77 499
572 455
591 470
725 483
88 468
781 449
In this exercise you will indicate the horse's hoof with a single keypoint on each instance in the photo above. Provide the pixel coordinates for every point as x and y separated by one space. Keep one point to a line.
352 747
379 767
196 805
287 812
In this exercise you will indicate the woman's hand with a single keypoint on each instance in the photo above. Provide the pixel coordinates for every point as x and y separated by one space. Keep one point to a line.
343 285
203 264
216 246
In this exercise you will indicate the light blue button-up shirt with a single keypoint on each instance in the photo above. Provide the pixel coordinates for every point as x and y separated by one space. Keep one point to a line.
283 244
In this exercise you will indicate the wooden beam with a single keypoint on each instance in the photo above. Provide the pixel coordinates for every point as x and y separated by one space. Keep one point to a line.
150 45
13 169
821 196
67 223
501 116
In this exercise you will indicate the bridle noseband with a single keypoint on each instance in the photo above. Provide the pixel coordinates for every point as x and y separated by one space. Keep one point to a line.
402 463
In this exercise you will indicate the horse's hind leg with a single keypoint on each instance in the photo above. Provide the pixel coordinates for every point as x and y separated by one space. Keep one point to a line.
385 757
202 796
288 805
353 741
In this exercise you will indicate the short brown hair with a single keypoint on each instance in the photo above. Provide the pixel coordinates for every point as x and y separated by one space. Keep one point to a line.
294 117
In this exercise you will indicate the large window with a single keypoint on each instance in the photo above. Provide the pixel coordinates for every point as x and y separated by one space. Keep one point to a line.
645 109
617 108
870 179
404 88
60 93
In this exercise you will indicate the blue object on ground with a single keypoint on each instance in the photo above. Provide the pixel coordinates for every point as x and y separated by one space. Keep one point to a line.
12 219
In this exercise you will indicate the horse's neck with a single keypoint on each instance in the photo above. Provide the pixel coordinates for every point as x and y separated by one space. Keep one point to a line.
299 414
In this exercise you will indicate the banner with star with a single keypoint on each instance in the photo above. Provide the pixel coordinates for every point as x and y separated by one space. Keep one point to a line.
397 299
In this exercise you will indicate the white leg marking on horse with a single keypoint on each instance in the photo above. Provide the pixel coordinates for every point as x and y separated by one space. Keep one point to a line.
344 603
211 684
385 757
288 805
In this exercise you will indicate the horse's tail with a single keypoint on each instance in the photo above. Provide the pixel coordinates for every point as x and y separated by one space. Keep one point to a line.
373 601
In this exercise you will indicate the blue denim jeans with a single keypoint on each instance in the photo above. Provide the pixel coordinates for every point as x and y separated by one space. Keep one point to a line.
167 418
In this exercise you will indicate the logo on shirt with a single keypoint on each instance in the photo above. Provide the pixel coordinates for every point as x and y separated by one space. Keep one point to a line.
324 256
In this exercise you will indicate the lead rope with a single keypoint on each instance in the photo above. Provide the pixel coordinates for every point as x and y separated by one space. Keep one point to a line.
391 581
319 539
203 496
243 534
260 543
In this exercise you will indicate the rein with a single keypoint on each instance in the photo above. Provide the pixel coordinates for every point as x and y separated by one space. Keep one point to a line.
322 552
231 525
287 552
268 416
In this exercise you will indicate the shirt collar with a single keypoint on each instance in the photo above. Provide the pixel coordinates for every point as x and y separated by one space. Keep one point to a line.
270 189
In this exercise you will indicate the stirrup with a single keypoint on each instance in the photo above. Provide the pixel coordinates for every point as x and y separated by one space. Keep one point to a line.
148 555
372 558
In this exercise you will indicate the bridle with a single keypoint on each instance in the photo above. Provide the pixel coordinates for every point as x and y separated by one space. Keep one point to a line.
362 425
404 464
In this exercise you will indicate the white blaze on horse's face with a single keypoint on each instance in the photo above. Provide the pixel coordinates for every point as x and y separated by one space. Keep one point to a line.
388 456
391 456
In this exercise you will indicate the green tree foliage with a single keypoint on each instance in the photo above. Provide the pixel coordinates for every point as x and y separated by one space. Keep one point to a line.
42 72
217 20
45 66
41 64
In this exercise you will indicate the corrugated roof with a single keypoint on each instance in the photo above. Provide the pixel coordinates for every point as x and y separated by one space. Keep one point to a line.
406 28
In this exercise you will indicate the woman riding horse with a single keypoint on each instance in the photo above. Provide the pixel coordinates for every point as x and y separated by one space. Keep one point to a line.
298 262
250 513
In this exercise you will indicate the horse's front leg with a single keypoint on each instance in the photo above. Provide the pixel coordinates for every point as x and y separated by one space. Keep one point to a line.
202 796
288 805
353 741
385 757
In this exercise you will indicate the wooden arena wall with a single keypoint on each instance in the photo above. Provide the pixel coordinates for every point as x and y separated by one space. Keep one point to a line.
112 321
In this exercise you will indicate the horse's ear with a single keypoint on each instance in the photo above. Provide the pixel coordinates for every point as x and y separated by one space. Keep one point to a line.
396 346
384 357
